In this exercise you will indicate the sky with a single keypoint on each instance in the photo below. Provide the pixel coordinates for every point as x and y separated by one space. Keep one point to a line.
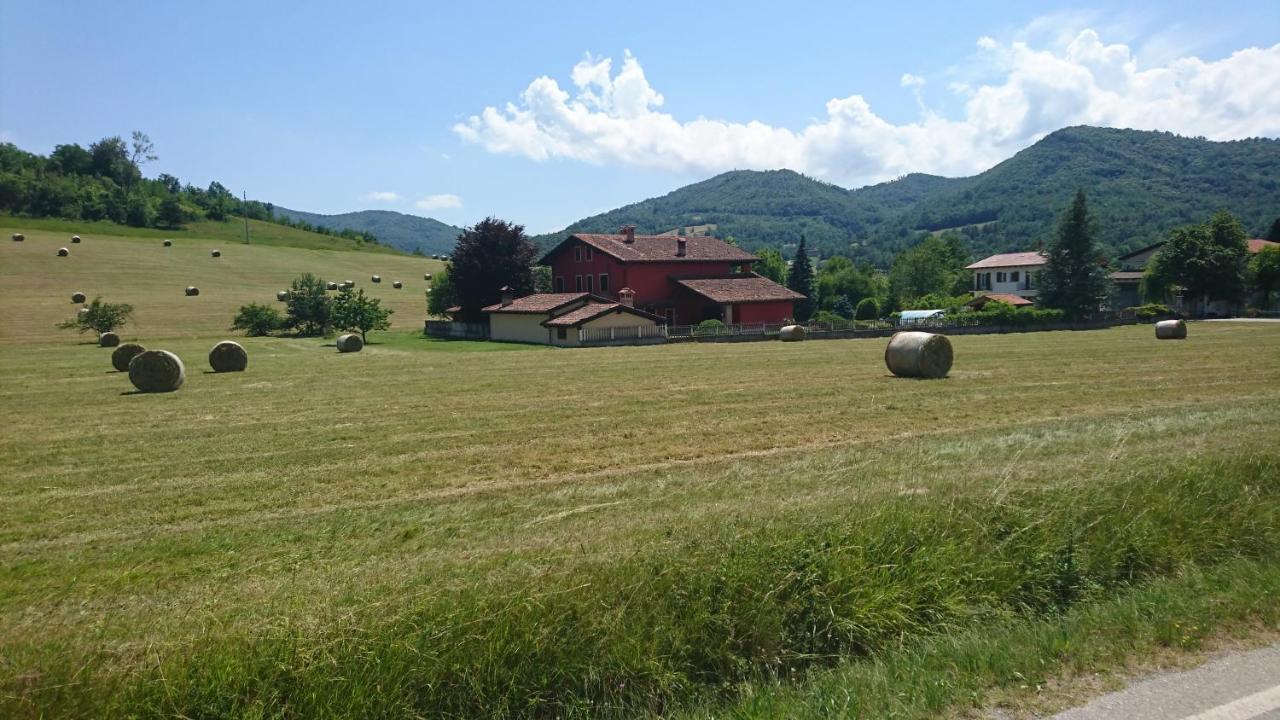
544 113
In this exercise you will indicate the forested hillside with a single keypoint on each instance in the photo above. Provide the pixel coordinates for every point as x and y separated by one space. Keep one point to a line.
410 233
1140 185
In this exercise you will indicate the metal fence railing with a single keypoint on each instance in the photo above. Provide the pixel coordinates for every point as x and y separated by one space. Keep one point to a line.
587 336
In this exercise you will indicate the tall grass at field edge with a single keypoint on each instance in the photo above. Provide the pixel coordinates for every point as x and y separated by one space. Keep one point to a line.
691 620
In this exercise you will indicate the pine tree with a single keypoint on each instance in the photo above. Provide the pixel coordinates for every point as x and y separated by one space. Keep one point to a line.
800 279
1074 279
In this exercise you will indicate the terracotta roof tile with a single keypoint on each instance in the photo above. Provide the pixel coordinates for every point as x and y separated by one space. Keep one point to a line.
1009 260
1256 245
741 288
538 303
1014 300
591 311
658 248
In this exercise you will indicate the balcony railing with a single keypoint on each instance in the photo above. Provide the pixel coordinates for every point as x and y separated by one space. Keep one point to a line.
588 336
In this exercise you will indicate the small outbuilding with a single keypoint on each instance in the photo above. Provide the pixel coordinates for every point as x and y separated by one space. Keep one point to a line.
1015 300
912 318
572 320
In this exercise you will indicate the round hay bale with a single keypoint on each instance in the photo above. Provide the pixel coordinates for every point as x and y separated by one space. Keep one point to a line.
376 278
216 253
426 276
283 295
168 243
18 237
1171 330
228 356
331 286
350 343
108 339
349 283
83 312
397 284
192 291
792 333
77 297
156 371
75 239
63 252
123 355
918 354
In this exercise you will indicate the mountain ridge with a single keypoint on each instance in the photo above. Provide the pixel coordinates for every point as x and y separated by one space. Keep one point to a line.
411 233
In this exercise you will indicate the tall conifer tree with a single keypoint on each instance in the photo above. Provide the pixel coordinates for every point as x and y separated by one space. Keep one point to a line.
800 279
1074 279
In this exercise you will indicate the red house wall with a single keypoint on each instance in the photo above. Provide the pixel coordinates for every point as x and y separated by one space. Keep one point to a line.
763 312
564 266
649 280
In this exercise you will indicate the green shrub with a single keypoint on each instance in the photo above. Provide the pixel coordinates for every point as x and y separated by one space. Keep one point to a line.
843 307
101 317
711 327
867 310
257 320
999 313
830 318
1151 311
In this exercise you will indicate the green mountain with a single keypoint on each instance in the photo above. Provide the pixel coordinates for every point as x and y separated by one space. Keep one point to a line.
406 232
1140 185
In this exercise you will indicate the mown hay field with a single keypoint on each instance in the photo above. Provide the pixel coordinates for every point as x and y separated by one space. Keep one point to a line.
430 528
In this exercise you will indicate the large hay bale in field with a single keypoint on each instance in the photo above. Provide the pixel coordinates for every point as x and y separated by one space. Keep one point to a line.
1171 330
348 283
192 291
918 354
228 356
18 237
108 339
63 252
792 333
376 278
154 371
216 253
168 243
75 239
282 296
77 297
123 355
350 343
331 286
397 284
426 276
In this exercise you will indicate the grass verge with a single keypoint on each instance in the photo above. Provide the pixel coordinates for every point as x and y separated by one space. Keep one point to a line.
695 619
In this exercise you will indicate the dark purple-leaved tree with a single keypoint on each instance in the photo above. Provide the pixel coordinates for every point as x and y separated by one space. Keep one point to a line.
492 254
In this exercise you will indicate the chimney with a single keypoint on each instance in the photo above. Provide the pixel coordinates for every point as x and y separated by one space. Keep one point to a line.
627 296
508 295
680 244
628 233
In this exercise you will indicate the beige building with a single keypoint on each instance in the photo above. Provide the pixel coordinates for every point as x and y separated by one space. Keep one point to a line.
572 320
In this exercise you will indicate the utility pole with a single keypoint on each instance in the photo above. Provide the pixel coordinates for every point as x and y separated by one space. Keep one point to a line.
245 204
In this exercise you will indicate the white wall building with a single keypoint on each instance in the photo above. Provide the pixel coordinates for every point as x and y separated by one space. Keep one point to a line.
1007 273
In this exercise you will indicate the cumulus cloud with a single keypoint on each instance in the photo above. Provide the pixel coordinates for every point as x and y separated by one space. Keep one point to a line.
617 117
382 196
443 201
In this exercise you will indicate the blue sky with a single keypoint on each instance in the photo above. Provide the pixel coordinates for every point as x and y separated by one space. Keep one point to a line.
337 107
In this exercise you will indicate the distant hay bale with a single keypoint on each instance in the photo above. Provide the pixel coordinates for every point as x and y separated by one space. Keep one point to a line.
123 355
792 333
426 276
108 339
397 284
83 312
228 356
283 295
216 253
77 297
155 371
918 354
192 291
376 278
349 343
331 286
75 239
63 252
167 243
1171 330
18 237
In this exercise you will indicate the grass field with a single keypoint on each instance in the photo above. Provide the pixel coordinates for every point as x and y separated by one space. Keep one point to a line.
458 529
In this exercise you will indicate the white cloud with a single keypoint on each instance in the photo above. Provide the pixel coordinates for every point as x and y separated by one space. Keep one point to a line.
1078 79
443 201
382 196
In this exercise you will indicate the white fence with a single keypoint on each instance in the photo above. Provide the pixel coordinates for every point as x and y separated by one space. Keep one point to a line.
587 336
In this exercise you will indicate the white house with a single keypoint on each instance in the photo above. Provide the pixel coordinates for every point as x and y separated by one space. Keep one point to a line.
1007 273
572 320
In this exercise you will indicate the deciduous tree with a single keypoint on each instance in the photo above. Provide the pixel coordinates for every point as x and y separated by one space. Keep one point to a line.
352 310
492 254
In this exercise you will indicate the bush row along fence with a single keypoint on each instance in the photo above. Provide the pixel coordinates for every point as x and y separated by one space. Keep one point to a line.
961 324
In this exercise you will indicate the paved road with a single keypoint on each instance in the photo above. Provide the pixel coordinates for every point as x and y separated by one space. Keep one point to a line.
1235 686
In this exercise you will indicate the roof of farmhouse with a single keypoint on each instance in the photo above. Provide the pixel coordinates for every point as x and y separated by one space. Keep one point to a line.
538 303
1022 259
741 288
657 248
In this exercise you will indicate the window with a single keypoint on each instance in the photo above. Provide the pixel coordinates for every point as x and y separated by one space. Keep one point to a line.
562 334
577 253
559 283
999 277
577 283
590 253
604 282
590 278
1013 277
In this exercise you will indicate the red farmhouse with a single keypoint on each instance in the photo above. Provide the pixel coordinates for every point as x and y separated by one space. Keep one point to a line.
684 280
